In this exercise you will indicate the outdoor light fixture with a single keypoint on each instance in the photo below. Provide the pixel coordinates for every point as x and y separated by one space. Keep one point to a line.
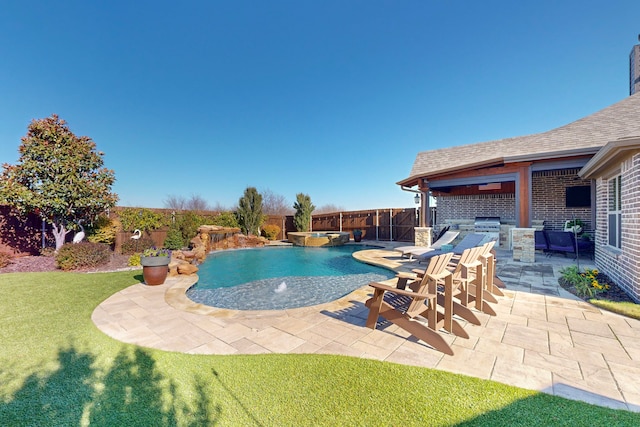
417 199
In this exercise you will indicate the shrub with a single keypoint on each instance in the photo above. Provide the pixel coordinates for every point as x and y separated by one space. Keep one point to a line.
174 239
585 284
226 219
72 256
134 260
5 259
270 231
189 224
141 219
103 230
131 246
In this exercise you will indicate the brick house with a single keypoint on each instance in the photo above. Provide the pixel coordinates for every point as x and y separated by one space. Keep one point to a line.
534 181
615 169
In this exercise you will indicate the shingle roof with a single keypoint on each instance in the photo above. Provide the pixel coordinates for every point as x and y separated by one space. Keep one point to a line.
585 135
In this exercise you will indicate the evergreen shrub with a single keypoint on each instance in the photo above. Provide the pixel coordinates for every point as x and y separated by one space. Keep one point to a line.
174 239
72 256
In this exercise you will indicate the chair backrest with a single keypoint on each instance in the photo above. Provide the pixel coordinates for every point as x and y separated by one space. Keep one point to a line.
441 233
437 268
445 239
469 241
563 241
468 256
487 247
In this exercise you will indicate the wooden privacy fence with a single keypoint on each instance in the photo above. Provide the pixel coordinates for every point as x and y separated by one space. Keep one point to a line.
23 235
376 224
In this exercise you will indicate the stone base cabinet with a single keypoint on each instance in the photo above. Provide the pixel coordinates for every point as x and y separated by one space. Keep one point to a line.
154 269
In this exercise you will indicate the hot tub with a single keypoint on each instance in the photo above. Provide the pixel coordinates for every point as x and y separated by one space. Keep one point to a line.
318 238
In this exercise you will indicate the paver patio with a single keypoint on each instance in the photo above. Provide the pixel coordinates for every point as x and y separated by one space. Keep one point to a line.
543 338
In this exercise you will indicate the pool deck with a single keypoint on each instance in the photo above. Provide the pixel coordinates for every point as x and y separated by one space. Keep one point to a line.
543 338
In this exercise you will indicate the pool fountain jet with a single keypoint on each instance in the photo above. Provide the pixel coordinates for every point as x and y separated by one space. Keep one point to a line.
281 288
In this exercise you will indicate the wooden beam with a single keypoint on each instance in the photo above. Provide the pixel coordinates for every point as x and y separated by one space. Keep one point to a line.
524 197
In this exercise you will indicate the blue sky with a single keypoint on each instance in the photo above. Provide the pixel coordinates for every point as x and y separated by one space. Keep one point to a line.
333 99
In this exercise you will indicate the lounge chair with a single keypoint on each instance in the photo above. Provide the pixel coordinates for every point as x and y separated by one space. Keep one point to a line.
541 241
421 303
561 241
469 241
411 251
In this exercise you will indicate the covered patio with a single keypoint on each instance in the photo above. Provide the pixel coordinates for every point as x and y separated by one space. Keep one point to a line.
528 182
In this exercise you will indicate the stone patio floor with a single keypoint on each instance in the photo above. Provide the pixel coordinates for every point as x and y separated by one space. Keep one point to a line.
543 338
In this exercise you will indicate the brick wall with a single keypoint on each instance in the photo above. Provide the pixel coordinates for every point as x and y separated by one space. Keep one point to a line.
621 265
548 202
548 198
471 206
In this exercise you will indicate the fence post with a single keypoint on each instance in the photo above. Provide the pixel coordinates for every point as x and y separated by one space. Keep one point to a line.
340 221
391 224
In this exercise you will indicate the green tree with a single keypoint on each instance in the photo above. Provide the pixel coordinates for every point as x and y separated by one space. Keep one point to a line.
59 175
249 211
304 208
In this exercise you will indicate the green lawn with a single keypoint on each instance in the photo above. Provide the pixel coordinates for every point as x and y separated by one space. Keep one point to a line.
57 368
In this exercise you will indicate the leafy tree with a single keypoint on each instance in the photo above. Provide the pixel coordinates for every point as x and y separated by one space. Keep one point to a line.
249 211
303 207
58 175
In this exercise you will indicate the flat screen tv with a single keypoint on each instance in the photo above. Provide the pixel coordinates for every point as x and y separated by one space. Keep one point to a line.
578 197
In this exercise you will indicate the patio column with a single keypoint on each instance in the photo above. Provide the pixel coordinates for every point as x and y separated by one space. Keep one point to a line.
524 247
425 211
523 196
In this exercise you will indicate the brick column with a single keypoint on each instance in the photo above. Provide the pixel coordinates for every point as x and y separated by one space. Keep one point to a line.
422 236
523 243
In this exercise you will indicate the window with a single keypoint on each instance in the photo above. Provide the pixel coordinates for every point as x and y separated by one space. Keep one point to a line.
614 211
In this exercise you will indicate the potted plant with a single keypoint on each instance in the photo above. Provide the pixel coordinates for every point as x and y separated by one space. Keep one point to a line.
155 265
574 226
357 235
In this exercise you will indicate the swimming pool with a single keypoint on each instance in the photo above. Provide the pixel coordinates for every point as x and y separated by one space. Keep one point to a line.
281 278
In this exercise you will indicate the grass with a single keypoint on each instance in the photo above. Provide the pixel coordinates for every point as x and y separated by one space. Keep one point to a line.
57 368
629 309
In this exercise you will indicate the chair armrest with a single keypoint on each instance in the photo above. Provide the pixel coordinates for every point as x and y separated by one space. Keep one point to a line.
397 291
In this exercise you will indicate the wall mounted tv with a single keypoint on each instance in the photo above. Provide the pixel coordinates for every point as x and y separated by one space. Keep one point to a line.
578 197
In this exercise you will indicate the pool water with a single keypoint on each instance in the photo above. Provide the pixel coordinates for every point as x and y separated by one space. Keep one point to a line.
281 278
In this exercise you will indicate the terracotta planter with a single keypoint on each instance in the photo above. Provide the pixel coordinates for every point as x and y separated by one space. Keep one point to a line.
154 269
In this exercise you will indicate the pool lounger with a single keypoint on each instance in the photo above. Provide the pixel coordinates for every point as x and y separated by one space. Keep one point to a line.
412 251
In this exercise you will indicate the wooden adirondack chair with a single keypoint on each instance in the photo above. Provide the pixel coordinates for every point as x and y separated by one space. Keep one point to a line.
469 279
422 303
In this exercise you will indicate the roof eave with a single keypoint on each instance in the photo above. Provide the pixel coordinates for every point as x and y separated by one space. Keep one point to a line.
609 155
415 179
552 155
